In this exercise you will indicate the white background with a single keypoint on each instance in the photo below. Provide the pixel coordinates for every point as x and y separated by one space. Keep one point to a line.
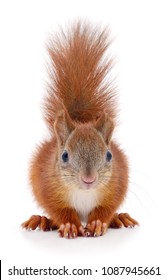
141 48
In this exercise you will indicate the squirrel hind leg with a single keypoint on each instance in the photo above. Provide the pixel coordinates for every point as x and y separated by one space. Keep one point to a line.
123 220
41 222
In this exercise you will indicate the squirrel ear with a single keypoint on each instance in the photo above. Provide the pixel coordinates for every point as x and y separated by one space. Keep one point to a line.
63 126
105 126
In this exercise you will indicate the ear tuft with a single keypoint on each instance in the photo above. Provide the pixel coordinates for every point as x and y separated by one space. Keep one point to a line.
105 126
63 126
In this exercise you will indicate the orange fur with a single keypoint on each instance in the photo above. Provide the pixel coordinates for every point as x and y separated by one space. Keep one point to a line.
78 75
80 112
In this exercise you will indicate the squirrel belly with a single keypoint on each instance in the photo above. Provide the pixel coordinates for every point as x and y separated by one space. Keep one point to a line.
80 173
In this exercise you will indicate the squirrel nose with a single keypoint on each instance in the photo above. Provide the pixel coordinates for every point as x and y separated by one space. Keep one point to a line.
88 179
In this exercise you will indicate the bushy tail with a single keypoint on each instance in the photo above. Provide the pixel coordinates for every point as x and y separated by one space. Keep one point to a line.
78 74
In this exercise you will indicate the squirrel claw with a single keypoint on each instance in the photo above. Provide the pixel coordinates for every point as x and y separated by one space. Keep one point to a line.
69 230
87 233
96 228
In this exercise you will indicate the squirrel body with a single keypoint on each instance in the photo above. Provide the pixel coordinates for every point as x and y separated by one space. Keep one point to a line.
80 174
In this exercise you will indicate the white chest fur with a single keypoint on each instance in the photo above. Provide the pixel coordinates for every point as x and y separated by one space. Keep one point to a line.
84 201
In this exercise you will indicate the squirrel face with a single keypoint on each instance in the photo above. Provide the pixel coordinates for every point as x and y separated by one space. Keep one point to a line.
84 156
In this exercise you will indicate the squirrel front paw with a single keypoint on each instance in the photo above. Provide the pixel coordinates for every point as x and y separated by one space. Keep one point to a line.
96 228
70 230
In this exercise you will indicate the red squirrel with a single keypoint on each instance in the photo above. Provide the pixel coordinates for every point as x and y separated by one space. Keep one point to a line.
80 174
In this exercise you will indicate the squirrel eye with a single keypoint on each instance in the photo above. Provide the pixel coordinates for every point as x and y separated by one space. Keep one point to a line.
108 156
65 157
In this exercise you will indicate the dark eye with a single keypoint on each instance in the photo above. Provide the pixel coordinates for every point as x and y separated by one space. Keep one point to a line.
65 157
108 156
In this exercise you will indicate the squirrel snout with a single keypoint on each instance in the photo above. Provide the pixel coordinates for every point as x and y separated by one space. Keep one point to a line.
88 180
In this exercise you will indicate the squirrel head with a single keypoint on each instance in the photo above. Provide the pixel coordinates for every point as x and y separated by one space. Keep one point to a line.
84 156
